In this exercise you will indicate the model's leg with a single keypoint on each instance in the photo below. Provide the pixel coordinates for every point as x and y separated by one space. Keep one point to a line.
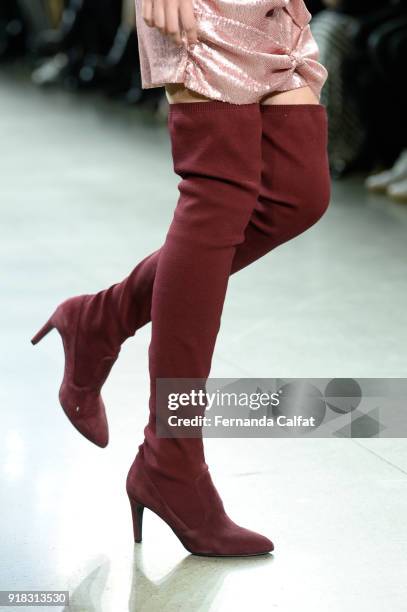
216 149
294 193
296 186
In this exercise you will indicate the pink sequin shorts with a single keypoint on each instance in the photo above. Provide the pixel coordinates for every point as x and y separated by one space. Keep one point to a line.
244 51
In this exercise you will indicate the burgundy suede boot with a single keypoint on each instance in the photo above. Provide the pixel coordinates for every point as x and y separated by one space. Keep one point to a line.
294 194
216 150
295 186
93 327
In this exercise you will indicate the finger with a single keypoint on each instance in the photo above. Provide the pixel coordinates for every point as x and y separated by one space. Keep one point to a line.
188 20
159 15
147 11
172 23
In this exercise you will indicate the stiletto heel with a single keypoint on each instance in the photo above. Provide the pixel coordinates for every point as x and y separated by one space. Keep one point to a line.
45 329
137 510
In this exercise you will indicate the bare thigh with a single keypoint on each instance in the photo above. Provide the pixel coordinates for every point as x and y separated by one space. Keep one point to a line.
177 92
302 95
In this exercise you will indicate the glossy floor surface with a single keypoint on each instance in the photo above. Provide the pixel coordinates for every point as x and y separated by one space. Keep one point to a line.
87 190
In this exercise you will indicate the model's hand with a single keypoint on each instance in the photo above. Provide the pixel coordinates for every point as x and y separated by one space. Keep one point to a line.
171 17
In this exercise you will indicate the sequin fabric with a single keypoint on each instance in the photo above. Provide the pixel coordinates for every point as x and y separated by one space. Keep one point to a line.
245 50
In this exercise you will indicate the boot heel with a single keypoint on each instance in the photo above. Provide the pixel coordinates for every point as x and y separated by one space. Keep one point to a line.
137 515
45 329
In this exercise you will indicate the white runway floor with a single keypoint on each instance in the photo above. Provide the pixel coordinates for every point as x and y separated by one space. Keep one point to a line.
86 191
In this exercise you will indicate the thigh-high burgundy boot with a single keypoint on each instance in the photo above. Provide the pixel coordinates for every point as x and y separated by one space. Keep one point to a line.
294 194
216 150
